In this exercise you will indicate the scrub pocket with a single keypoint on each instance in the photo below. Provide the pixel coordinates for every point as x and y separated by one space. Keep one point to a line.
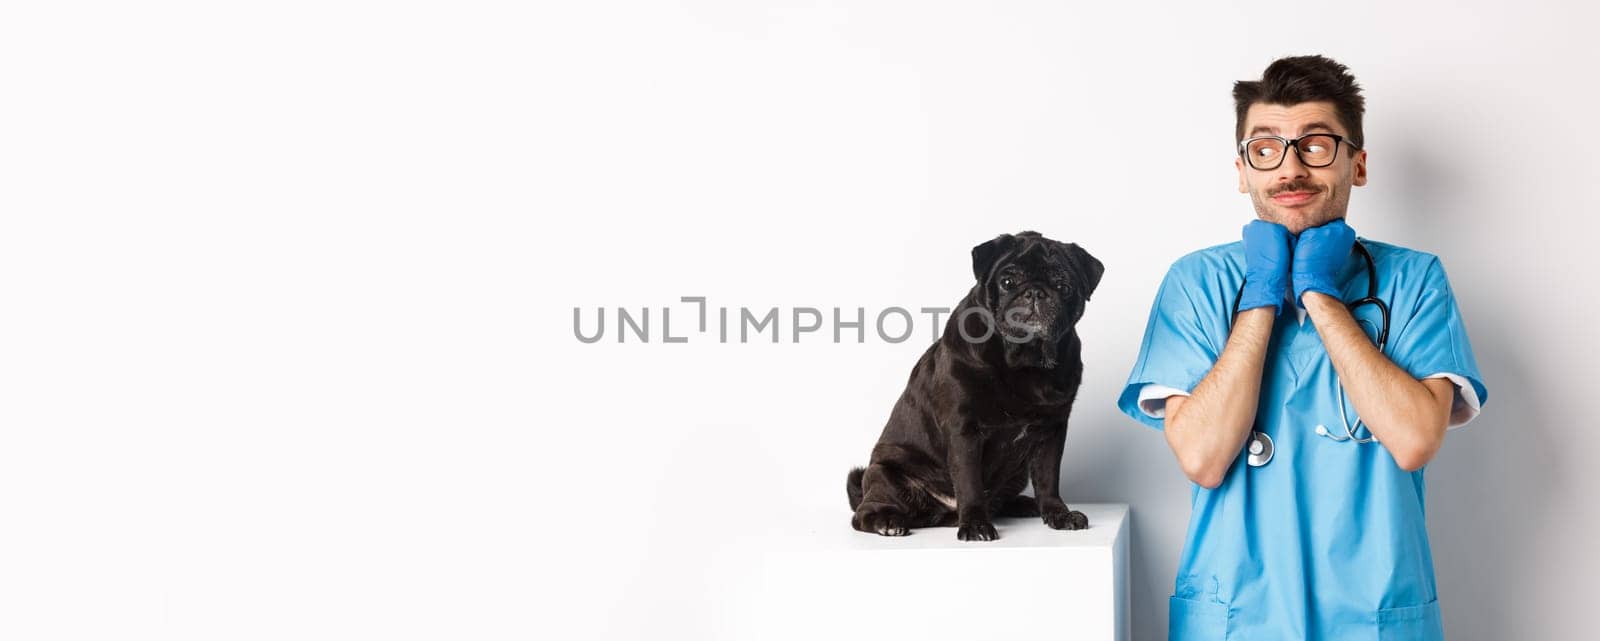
1414 623
1191 620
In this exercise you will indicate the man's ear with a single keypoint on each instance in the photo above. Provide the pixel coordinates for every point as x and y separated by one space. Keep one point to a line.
1087 269
984 256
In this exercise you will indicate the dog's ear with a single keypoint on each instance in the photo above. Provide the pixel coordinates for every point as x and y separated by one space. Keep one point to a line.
984 256
1086 269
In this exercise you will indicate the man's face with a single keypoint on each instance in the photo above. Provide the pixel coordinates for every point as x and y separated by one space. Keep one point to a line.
1294 195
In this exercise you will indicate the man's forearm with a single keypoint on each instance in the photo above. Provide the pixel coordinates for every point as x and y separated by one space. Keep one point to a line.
1207 429
1407 417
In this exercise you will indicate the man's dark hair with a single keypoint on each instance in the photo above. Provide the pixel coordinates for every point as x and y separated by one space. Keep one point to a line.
1291 81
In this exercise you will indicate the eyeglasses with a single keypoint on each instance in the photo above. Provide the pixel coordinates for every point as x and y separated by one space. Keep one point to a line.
1314 150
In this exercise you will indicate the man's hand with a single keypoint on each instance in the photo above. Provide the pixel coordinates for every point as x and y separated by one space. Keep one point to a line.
1267 250
1319 253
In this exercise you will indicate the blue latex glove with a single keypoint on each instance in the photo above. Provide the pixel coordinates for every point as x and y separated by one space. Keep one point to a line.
1267 251
1319 254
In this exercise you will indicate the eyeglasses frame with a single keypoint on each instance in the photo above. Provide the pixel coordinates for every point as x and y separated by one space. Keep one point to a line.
1295 145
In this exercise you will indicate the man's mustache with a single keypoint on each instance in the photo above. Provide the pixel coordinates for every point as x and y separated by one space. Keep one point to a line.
1298 185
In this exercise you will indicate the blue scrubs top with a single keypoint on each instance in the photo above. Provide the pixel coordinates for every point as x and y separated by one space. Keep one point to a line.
1328 540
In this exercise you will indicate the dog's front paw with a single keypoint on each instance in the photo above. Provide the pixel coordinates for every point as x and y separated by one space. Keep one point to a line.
1064 519
976 531
882 519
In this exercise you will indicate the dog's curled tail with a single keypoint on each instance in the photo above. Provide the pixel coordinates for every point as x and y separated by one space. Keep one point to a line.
852 486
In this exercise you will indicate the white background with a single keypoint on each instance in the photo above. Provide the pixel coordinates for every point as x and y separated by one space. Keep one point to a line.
286 290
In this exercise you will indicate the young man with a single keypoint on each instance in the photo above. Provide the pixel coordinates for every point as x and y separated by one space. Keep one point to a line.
1304 378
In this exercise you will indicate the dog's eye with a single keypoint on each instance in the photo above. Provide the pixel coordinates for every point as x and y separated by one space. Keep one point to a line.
1007 282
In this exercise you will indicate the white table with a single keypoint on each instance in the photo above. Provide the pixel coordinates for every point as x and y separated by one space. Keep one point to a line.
1032 583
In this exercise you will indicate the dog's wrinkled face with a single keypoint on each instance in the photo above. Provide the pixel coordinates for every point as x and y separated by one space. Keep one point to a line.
1035 288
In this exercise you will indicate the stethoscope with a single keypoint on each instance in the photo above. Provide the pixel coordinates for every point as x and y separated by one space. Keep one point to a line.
1259 450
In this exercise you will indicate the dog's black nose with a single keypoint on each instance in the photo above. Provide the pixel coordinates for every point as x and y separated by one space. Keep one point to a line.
1036 294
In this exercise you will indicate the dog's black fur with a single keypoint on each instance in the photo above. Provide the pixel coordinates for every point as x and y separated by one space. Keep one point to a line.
978 419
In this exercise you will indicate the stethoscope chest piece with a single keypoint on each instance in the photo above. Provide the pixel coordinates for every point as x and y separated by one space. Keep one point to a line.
1259 450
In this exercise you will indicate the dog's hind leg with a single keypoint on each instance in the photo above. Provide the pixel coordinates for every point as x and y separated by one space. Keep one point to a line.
1007 498
880 509
852 487
1019 505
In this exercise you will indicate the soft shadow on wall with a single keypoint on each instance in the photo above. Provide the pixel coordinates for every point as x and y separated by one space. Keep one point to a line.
1492 485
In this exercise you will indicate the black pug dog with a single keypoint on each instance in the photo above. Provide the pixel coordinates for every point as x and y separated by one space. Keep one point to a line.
986 407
